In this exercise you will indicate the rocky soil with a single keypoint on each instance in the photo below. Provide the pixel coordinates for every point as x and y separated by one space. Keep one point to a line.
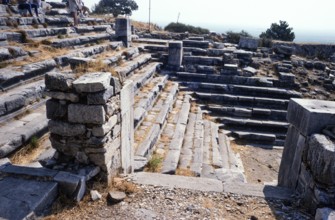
153 202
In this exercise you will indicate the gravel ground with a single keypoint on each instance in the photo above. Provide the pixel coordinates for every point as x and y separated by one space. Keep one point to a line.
153 202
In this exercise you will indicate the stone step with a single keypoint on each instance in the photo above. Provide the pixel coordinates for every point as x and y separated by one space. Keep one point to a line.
16 133
64 21
21 97
142 76
125 70
151 41
196 43
202 60
242 90
171 159
147 134
235 121
12 76
16 75
146 97
220 162
228 99
63 31
218 79
256 137
191 156
80 40
156 48
246 112
8 53
109 58
88 51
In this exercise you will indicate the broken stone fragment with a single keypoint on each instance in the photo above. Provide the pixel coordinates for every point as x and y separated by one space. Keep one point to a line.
116 197
100 98
59 81
93 82
95 195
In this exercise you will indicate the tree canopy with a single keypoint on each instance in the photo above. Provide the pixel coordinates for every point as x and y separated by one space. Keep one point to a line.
234 37
280 31
115 7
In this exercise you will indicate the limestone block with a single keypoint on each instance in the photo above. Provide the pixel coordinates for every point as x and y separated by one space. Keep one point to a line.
104 157
72 185
100 98
195 43
127 127
92 82
284 50
321 159
67 148
63 96
55 109
14 102
115 82
310 116
248 43
288 77
175 54
295 144
113 105
66 129
86 114
122 27
100 131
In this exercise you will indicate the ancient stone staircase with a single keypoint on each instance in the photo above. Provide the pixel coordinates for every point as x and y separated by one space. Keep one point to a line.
171 110
248 106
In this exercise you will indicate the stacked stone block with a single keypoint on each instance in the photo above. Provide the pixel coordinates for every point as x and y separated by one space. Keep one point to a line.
308 160
85 119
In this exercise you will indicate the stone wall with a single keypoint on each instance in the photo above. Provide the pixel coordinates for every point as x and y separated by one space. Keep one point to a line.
308 161
310 50
85 119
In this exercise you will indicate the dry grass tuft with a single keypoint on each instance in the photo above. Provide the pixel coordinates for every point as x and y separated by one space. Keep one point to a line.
154 164
94 66
28 153
120 184
185 172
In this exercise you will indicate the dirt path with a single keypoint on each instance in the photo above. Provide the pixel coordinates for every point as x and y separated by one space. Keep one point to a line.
260 165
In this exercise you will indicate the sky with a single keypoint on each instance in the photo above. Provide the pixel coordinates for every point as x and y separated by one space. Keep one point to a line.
313 17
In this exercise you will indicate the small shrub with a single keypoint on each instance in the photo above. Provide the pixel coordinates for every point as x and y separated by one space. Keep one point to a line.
45 25
181 28
154 163
265 42
35 26
34 142
234 37
46 42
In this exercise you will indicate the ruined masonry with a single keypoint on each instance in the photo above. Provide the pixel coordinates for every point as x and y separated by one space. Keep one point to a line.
308 160
106 99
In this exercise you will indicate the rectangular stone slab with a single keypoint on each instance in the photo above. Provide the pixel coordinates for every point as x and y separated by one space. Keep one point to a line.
310 116
93 82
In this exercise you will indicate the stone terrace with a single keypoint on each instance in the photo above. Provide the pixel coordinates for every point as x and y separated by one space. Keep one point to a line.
113 106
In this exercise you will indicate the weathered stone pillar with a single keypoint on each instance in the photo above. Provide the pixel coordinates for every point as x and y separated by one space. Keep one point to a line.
127 127
308 160
123 30
175 55
85 120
